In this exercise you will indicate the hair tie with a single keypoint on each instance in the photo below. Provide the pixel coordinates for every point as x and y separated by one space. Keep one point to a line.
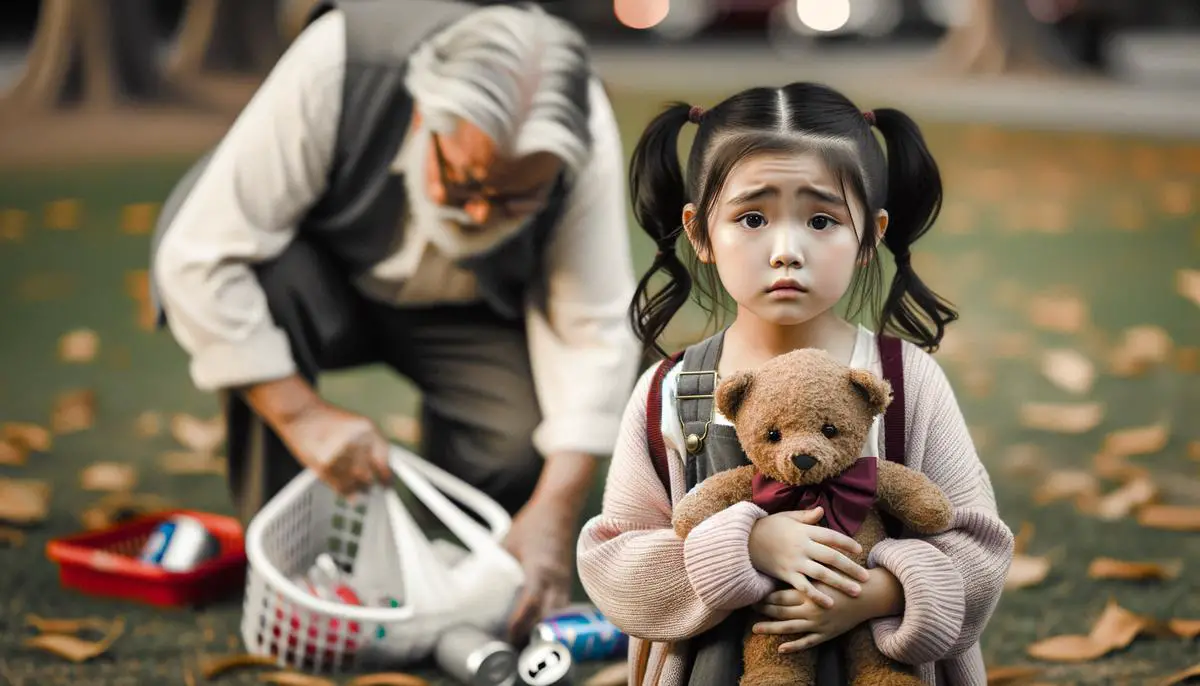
902 258
696 114
869 115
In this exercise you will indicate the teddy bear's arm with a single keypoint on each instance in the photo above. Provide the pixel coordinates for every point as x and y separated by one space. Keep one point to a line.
913 498
716 493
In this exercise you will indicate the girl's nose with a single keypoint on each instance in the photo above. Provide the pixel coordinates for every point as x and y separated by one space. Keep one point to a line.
786 252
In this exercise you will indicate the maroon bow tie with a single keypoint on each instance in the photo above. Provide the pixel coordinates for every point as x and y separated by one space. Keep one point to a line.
845 499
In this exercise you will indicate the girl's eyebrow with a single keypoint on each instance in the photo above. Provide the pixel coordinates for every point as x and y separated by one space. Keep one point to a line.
752 194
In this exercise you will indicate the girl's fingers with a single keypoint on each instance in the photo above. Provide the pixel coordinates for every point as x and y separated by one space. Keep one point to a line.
835 539
791 626
810 640
785 611
787 596
834 558
819 572
801 583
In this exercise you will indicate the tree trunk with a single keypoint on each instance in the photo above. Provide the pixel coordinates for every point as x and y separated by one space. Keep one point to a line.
228 36
92 53
1002 37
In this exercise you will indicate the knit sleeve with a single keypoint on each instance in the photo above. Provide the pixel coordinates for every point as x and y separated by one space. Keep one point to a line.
952 581
639 573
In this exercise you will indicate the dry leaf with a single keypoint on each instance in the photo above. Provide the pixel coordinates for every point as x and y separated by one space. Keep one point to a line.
1069 648
62 214
1181 676
294 679
1170 517
117 507
1142 440
12 455
24 501
388 679
148 424
199 435
1115 628
1117 468
1124 500
1022 538
12 538
1026 571
76 649
1069 370
403 428
30 436
73 411
1124 570
1024 459
1062 312
1184 628
46 286
1188 361
1067 484
1194 450
78 346
214 666
616 674
68 626
108 476
1139 348
1002 676
1067 418
177 462
12 225
1187 282
1012 345
138 218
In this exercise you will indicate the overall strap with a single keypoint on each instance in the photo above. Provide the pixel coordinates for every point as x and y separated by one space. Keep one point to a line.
891 357
654 437
695 390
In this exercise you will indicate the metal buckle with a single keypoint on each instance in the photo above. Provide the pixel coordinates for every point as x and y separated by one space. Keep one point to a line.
693 443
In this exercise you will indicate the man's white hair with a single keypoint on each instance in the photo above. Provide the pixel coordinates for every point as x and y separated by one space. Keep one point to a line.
519 74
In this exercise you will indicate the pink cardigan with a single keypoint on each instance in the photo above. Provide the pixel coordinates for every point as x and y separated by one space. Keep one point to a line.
662 590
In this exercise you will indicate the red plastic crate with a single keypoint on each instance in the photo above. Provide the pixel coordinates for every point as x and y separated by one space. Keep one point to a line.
104 563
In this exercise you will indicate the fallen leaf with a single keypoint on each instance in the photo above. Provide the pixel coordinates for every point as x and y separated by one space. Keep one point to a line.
108 476
1187 282
1181 676
1066 418
1184 628
1024 459
62 214
45 286
177 462
1124 570
294 679
68 626
1023 537
1067 484
1115 628
1002 676
1117 468
1194 450
12 538
403 428
148 424
31 436
198 435
1026 571
24 501
1142 440
1058 311
1124 500
388 679
74 411
1188 361
138 219
1139 348
1068 648
1176 197
1012 345
12 225
12 455
616 674
137 284
1170 517
213 666
1069 370
74 648
78 346
120 506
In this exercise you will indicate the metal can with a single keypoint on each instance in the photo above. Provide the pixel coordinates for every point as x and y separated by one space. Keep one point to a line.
180 544
475 657
585 632
545 663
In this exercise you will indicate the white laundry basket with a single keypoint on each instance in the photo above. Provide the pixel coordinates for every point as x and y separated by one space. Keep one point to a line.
386 553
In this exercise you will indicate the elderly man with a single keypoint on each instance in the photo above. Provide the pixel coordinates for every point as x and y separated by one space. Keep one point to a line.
438 187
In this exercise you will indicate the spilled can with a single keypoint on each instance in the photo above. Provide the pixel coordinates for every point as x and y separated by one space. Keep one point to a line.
585 632
180 544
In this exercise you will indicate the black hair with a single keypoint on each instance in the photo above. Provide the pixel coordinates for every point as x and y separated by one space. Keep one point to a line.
800 117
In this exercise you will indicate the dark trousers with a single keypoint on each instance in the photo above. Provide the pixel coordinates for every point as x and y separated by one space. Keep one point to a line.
479 407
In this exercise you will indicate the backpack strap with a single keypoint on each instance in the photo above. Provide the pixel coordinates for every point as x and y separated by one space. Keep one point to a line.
654 436
891 358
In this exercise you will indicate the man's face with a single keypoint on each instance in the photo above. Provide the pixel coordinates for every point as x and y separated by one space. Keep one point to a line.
482 188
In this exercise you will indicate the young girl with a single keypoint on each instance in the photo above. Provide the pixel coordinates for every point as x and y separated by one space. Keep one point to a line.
788 195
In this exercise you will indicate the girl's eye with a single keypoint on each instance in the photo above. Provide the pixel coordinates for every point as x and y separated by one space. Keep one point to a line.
822 222
752 221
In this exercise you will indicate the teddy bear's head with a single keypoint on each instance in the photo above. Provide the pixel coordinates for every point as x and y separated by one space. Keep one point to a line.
803 417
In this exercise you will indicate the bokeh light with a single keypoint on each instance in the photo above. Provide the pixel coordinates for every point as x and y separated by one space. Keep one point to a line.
641 14
823 15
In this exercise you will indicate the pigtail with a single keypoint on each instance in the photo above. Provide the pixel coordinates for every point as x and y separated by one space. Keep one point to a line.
658 195
914 199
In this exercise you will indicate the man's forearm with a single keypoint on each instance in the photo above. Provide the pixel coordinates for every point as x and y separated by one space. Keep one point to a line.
566 478
281 401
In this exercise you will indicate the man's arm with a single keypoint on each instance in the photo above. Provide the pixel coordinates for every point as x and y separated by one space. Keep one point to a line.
265 173
583 353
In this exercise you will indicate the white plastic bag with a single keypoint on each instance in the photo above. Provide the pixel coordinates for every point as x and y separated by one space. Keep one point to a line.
386 555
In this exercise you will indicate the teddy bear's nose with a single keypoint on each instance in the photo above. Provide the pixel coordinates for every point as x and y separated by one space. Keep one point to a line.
804 461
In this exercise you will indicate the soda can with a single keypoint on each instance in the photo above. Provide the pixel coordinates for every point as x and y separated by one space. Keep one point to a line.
585 632
545 663
476 658
180 544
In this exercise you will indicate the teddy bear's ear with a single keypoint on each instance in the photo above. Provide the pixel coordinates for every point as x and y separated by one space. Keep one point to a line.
875 391
732 392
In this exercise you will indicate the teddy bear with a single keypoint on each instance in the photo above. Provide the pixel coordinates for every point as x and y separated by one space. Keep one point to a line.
802 419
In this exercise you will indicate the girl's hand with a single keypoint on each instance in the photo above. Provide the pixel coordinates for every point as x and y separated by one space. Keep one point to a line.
792 612
791 547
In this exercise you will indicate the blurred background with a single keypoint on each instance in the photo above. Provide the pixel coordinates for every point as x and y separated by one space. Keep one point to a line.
1068 133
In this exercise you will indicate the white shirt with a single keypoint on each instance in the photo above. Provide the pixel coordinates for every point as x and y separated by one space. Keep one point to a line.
272 166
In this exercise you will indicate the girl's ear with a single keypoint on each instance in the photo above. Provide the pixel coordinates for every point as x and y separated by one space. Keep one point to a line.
881 226
691 227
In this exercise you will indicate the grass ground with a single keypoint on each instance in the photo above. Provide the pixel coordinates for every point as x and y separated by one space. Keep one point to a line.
1099 224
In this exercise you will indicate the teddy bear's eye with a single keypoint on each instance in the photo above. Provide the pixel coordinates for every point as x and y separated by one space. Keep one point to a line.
774 436
829 430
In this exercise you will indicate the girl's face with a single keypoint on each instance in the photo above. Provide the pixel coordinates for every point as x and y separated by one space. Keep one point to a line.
782 237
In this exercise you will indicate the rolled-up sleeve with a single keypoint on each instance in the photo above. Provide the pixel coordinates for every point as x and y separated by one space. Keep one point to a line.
582 349
267 171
